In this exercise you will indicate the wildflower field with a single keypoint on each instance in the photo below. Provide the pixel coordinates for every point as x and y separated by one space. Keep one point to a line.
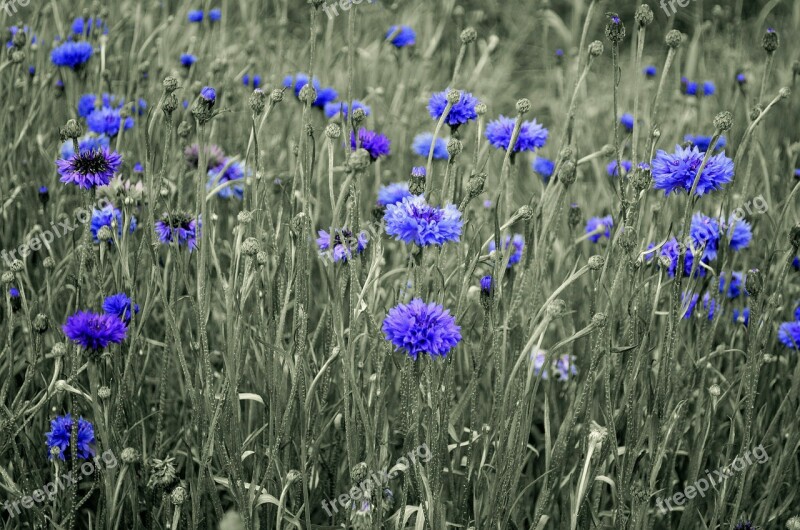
365 264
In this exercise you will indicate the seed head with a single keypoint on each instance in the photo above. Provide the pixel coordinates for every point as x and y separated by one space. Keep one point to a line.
17 266
178 496
170 84
258 100
523 106
469 35
184 129
644 15
723 121
129 455
567 173
615 29
104 392
49 263
596 262
673 39
771 41
596 49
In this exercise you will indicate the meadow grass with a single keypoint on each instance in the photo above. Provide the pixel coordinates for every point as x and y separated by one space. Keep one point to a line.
249 330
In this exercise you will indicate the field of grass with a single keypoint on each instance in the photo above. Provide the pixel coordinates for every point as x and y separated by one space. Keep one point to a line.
231 303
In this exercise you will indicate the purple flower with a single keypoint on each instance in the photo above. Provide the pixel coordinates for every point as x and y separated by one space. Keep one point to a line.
422 145
740 233
418 327
195 15
228 171
650 71
72 54
120 306
459 114
613 171
413 220
209 95
518 243
599 227
401 36
544 167
187 59
337 108
108 121
704 232
393 193
704 142
563 366
627 121
531 137
60 437
89 169
106 217
376 144
94 332
178 227
735 288
677 171
341 245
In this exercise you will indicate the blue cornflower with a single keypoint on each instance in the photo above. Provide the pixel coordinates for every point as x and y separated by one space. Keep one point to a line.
741 317
741 78
138 168
704 232
796 263
401 36
650 71
180 228
324 95
690 302
195 15
740 232
89 169
72 54
677 171
60 436
33 39
704 142
421 145
671 250
412 220
81 26
599 227
209 95
32 70
86 105
627 121
15 299
376 144
797 173
108 121
486 283
86 143
543 167
215 15
789 334
459 114
341 245
107 216
518 243
94 332
797 313
613 171
228 171
532 135
141 106
563 366
419 327
187 59
393 193
689 87
735 288
120 306
709 88
256 80
335 108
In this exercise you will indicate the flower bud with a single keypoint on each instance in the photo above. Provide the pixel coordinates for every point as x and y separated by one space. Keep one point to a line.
596 49
276 96
262 258
359 160
615 29
575 216
48 262
17 266
250 246
596 262
723 121
673 39
480 109
599 320
258 100
170 103
523 106
753 282
475 185
59 350
129 455
469 35
359 116
771 41
453 96
785 92
104 392
71 130
567 173
644 15
333 131
525 213
454 147
714 390
170 84
358 472
184 129
794 237
105 233
416 184
178 496
41 323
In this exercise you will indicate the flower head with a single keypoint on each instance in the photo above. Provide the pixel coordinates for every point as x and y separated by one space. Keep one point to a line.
107 216
650 71
324 95
704 142
195 15
419 327
704 232
459 114
543 167
736 284
627 121
401 36
228 171
672 250
376 144
89 169
422 145
740 233
94 332
562 366
413 220
393 193
341 244
209 95
789 334
120 306
178 227
335 109
531 137
72 54
709 88
215 15
599 227
518 242
677 171
689 302
187 59
613 170
60 437
108 121
87 143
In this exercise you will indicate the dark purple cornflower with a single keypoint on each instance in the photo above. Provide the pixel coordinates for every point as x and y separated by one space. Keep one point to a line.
531 137
376 144
120 306
94 332
598 227
677 171
60 436
89 169
518 243
180 228
459 114
341 245
401 36
413 220
421 328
